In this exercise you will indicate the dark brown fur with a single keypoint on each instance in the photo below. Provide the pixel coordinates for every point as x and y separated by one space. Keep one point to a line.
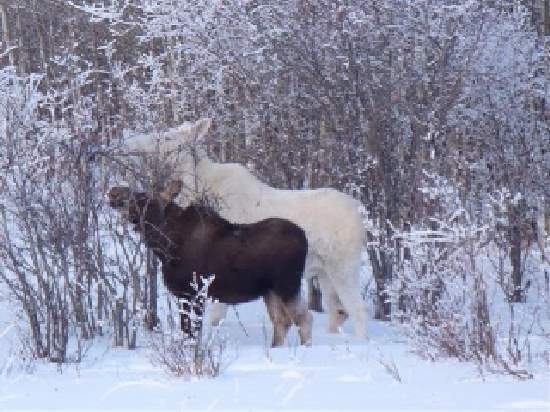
264 259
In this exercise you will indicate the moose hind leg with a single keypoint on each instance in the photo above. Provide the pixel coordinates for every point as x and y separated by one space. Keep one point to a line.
353 302
298 312
279 318
337 315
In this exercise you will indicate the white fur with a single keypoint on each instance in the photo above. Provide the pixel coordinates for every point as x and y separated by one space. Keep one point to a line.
330 218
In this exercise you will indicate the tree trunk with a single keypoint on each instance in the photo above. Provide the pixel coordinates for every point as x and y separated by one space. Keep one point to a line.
382 272
151 292
118 320
6 33
23 60
515 218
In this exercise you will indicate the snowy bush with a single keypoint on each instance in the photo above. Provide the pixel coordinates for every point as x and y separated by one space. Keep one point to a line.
62 265
443 299
192 353
452 295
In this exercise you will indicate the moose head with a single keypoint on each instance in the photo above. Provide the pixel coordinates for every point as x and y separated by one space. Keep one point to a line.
138 207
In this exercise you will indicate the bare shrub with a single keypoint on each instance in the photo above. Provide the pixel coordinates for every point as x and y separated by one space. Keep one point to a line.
192 353
390 368
184 356
450 302
60 261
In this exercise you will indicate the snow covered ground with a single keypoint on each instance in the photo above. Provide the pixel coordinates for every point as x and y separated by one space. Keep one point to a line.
336 373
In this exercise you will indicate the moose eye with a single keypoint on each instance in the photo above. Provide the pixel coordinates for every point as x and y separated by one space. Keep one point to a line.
118 197
117 203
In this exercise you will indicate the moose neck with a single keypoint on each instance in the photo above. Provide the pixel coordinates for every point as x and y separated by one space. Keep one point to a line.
165 227
155 228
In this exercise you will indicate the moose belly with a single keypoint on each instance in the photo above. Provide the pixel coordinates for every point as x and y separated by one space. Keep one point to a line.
239 289
231 288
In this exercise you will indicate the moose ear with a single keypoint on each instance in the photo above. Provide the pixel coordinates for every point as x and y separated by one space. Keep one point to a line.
200 129
173 189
